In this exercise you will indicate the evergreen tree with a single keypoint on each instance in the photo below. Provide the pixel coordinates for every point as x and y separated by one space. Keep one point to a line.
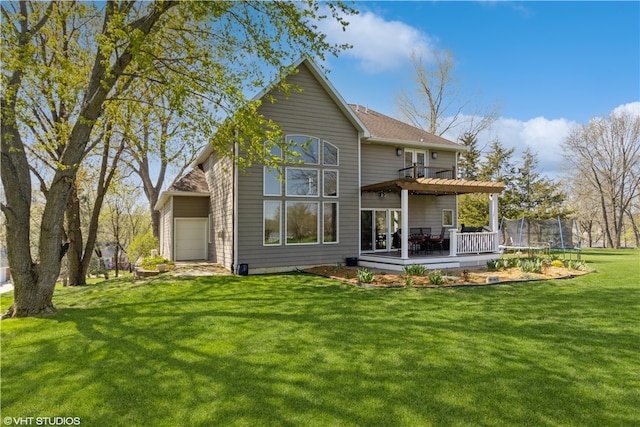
473 209
469 164
534 196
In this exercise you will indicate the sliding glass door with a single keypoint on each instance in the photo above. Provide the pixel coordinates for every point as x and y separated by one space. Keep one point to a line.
379 230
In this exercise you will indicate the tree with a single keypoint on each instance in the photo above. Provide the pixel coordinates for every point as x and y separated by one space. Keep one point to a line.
534 196
584 203
469 163
605 156
201 55
436 106
157 138
122 220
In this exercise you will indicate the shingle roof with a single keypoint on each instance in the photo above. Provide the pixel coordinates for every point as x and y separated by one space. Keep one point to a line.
387 128
193 181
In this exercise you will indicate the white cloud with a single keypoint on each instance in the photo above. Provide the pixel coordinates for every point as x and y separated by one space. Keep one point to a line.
379 45
543 136
630 108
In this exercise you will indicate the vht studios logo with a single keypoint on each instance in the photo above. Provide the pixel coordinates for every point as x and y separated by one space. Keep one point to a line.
41 421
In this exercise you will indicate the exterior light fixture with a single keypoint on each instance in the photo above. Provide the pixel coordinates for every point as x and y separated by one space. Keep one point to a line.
398 151
434 155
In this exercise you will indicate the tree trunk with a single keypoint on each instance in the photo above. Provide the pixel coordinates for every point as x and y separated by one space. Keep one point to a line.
77 274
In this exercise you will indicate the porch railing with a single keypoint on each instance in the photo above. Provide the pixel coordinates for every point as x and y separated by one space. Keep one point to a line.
419 171
472 243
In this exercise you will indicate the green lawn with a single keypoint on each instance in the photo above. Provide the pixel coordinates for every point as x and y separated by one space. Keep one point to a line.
297 350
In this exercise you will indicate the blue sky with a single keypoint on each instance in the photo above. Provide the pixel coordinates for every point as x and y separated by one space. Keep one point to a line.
547 65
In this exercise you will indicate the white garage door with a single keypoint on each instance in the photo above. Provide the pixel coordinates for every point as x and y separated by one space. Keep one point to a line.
191 239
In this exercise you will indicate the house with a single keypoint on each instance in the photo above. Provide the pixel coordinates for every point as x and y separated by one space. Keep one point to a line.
364 176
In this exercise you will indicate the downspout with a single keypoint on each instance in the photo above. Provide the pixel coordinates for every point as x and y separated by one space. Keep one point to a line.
236 150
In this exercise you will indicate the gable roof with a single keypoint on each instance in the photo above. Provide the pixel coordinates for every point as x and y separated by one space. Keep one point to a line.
386 129
326 85
193 183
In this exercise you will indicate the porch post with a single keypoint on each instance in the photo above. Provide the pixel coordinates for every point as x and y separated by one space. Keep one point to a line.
493 211
404 208
493 218
453 242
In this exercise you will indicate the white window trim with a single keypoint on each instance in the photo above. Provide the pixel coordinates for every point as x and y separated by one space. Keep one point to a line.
337 183
318 182
306 137
264 203
337 154
264 184
337 225
452 219
318 219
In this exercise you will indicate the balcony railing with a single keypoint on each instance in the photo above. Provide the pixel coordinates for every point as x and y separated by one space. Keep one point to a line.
419 171
472 243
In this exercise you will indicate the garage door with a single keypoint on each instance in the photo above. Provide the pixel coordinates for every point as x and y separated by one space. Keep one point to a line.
191 239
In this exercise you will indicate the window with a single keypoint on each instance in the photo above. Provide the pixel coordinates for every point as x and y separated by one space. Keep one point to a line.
306 147
447 218
302 223
271 225
329 154
302 182
330 183
302 219
417 158
272 184
330 222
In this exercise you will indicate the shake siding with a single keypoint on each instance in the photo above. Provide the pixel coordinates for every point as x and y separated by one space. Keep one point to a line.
190 207
219 176
311 113
166 227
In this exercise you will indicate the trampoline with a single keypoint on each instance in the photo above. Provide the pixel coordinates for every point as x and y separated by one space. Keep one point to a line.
548 236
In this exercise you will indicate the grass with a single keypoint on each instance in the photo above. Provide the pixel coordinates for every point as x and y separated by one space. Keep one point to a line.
289 350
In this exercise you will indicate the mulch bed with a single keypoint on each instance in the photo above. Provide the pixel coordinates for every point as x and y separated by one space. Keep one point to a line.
451 278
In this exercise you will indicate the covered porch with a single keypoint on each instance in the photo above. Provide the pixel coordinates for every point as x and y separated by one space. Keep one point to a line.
464 247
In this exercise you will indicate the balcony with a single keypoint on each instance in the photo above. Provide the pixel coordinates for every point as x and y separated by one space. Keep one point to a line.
420 171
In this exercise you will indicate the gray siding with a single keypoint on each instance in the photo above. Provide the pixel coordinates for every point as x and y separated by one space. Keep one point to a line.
219 176
190 207
311 113
426 211
380 163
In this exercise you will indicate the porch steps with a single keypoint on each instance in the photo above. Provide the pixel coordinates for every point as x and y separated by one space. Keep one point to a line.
432 263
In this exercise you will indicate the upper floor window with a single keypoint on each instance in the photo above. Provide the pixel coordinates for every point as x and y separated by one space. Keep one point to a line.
302 182
329 154
272 185
306 147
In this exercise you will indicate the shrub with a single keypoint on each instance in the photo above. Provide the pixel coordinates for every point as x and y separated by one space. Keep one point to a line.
415 270
435 277
575 265
557 263
365 276
408 281
531 265
150 263
141 246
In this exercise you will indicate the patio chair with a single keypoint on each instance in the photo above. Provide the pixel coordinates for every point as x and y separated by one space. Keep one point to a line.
438 240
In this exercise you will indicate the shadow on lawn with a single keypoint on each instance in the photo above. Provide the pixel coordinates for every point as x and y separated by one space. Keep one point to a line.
295 350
